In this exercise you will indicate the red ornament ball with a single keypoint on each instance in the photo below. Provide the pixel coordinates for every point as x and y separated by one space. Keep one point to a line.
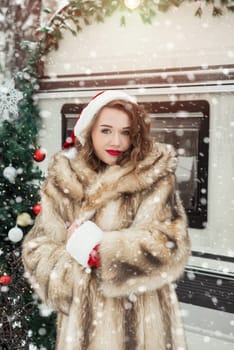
36 208
5 280
39 154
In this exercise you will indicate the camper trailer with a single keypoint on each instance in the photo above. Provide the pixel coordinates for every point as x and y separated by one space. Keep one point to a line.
181 68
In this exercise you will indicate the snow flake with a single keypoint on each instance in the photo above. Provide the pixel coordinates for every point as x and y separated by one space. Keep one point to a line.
4 289
99 314
156 199
142 289
54 275
191 275
181 151
16 324
21 3
45 114
203 201
127 305
69 339
214 300
42 331
164 275
184 313
45 310
132 298
206 339
88 270
9 98
206 140
170 245
18 199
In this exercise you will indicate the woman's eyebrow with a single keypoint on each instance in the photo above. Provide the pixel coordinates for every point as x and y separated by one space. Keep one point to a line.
110 126
106 125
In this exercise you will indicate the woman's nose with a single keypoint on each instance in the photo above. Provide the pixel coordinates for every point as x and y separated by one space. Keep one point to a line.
115 140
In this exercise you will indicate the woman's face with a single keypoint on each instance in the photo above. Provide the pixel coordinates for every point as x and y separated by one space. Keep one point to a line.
111 135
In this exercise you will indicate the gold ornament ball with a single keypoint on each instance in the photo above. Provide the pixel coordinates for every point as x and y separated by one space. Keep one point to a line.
24 219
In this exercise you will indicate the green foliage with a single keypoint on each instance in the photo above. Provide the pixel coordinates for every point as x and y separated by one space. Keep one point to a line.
217 7
20 319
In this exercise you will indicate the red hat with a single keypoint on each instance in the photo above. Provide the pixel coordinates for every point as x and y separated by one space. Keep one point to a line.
89 112
70 141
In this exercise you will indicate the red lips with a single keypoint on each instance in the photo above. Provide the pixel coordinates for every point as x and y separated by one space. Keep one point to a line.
113 152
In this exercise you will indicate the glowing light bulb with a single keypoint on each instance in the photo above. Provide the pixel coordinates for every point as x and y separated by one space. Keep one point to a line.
132 4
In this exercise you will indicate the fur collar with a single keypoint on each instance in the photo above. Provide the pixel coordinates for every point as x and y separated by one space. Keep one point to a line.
72 175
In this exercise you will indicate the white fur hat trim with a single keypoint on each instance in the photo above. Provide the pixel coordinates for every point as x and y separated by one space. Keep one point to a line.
94 106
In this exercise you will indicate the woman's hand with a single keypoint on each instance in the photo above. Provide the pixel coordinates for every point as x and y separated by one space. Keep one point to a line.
83 241
71 229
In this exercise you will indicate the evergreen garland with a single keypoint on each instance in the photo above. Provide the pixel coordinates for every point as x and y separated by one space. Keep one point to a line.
76 14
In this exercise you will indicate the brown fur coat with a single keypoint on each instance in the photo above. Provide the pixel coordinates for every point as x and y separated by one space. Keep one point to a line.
129 303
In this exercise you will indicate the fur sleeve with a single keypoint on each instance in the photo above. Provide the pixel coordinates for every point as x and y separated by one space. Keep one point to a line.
49 267
152 251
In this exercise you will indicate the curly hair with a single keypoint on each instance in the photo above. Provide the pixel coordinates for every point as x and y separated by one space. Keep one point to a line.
141 139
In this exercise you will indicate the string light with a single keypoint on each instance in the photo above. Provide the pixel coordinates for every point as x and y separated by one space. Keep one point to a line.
132 4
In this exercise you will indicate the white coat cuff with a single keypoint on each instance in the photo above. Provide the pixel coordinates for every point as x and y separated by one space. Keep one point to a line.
83 240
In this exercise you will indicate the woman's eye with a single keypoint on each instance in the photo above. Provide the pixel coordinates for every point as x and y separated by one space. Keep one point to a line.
105 131
126 132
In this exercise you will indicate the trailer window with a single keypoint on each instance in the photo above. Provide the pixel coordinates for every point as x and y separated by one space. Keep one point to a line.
185 125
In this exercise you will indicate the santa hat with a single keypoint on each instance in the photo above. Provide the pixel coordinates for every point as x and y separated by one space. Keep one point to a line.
94 106
70 141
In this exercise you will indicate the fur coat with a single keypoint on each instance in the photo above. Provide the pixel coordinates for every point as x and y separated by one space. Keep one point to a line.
129 302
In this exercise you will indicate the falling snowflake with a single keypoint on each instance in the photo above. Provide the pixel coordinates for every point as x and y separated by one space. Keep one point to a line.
9 98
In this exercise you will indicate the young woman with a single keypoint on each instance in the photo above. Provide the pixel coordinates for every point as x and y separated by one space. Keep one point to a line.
112 235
